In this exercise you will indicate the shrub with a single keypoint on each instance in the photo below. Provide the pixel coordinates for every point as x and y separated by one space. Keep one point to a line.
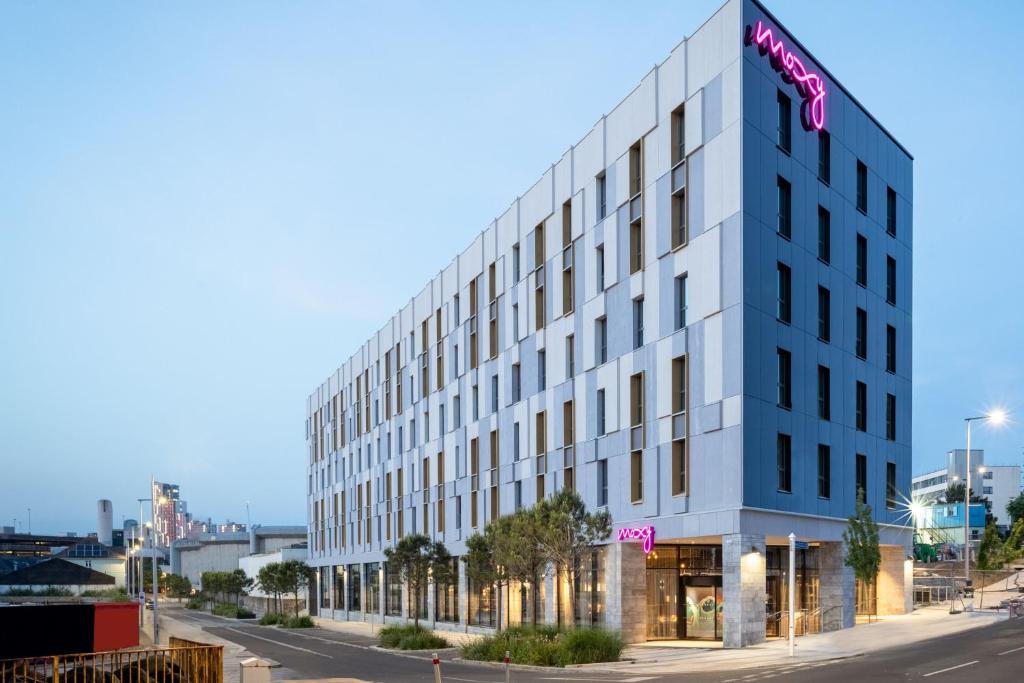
547 646
112 594
195 603
410 637
271 618
246 613
224 610
298 622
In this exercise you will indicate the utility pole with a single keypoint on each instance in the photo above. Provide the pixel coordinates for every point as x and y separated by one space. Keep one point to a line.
156 587
29 520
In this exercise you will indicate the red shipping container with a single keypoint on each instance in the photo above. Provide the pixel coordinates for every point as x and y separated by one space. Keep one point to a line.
115 625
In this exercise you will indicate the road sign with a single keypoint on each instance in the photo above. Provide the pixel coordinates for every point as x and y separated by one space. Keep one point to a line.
800 545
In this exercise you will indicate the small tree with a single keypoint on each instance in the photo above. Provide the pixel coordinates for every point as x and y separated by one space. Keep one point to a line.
861 538
1015 508
178 586
990 552
269 580
236 583
518 548
295 576
568 532
1014 546
416 558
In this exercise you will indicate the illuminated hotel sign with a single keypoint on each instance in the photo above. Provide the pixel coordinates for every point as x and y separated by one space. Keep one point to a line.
642 533
811 86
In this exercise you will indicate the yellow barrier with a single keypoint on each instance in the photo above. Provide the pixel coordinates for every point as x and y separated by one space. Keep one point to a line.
184 662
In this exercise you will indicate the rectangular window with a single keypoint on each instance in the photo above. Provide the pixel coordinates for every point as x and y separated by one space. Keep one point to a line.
599 260
636 173
785 128
862 476
824 314
519 494
862 333
890 211
494 393
636 247
680 307
680 218
785 368
785 293
862 187
455 306
862 407
517 383
476 402
541 430
890 280
542 370
636 476
890 417
515 322
570 356
824 471
824 393
890 485
890 348
824 157
636 437
784 462
602 197
678 135
638 322
515 442
824 235
785 223
862 260
601 340
457 409
602 482
680 426
601 424
515 262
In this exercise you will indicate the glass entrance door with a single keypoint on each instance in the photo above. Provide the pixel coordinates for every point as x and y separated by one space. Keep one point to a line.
662 604
702 612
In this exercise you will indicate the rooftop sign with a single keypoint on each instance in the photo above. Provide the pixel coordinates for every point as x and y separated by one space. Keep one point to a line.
643 533
811 86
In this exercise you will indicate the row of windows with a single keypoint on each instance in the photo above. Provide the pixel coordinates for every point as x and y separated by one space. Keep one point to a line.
784 459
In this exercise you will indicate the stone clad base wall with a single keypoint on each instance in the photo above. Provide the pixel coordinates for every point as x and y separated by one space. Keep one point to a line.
743 588
626 596
895 581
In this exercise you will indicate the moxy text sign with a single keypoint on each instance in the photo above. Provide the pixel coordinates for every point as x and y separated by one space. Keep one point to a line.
643 533
811 86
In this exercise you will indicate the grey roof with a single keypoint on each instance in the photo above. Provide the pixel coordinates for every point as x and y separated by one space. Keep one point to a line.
56 572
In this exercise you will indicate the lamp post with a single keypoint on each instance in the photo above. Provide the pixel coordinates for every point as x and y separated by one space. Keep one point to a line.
995 417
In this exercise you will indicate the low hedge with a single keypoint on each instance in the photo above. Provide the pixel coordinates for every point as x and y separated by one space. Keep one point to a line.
271 618
298 622
410 637
547 646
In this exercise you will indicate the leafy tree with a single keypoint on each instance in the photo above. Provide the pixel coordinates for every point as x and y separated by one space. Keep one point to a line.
295 576
269 579
568 532
990 552
1014 546
1015 508
178 586
518 548
955 493
416 558
861 538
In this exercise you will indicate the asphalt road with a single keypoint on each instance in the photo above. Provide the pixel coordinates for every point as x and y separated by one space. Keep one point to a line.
991 654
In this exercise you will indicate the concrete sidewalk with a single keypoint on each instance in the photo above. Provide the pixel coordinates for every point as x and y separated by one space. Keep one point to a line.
922 624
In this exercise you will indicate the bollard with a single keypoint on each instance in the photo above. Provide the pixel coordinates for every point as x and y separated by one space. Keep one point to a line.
437 669
508 673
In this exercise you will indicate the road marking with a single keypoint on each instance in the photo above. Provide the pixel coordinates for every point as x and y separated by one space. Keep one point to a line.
958 666
471 680
278 642
635 679
1016 649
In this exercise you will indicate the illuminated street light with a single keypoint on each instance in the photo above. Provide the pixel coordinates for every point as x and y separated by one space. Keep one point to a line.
994 417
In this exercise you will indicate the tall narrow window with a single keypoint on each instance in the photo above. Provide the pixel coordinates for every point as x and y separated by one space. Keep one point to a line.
862 407
824 157
570 356
890 211
636 174
519 494
515 262
785 222
824 393
636 437
890 348
785 293
680 303
515 442
542 370
494 393
456 409
824 314
476 402
862 260
636 246
862 333
515 323
824 235
890 485
638 322
599 261
785 128
602 482
890 417
890 280
862 187
602 197
678 135
784 462
785 368
601 340
824 471
861 475
601 424
680 231
517 383
679 426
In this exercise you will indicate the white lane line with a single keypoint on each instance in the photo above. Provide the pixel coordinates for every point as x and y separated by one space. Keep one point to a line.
278 642
635 679
1016 649
958 666
470 680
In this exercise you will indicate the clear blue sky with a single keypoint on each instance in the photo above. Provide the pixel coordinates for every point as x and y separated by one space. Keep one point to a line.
206 207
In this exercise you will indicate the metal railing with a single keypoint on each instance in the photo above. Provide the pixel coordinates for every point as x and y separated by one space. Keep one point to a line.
182 662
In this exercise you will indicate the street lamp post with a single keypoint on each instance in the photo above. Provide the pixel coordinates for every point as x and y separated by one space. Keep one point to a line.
995 417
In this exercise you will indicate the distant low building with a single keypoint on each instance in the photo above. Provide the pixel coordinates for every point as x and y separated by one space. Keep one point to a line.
997 484
110 561
56 573
222 551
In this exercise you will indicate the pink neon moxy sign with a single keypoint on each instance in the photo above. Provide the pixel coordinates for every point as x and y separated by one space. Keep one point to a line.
640 533
810 85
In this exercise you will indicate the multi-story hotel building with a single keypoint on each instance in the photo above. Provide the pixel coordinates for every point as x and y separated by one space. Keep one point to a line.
699 317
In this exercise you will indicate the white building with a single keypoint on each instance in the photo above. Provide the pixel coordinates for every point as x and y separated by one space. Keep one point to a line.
998 484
